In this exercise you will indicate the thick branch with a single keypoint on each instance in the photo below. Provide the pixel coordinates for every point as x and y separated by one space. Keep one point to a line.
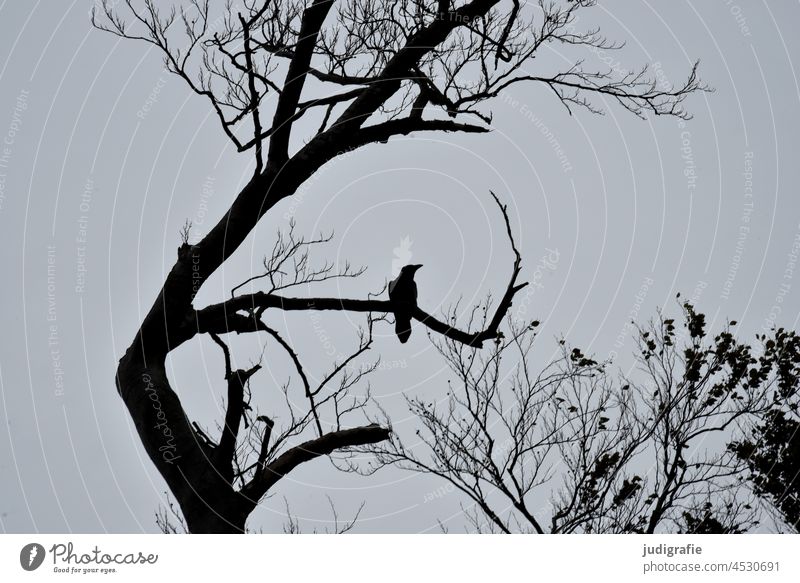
308 451
400 127
233 414
313 18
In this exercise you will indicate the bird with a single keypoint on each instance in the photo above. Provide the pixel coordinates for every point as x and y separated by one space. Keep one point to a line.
403 293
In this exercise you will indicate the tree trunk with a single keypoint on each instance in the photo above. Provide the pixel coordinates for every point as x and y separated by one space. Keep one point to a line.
208 501
211 522
188 463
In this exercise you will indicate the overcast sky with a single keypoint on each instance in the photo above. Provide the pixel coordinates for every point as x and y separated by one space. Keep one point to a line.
105 156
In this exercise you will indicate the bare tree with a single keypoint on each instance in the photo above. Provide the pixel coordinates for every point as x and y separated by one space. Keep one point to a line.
368 71
571 449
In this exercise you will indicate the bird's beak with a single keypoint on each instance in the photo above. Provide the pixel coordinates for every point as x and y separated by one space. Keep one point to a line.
417 266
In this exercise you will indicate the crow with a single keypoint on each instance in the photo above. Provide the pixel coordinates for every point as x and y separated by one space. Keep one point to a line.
403 293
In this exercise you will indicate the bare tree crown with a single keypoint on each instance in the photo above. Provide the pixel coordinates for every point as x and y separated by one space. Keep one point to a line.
364 71
369 61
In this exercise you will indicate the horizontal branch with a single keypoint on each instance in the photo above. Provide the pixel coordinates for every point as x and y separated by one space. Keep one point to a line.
383 131
227 316
224 318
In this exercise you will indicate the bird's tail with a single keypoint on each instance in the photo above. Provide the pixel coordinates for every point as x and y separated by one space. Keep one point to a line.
402 328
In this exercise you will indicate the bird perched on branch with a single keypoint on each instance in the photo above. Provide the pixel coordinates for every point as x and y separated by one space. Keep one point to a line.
403 293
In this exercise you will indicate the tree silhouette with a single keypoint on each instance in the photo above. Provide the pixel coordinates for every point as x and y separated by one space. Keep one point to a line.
771 449
644 453
368 71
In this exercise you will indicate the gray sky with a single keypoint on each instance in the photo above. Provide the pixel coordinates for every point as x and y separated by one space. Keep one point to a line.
613 215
